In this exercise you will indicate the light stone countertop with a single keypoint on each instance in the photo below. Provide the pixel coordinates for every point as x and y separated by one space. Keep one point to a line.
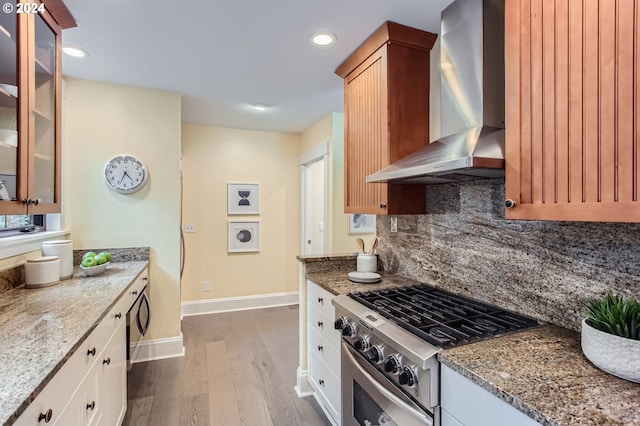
42 328
541 372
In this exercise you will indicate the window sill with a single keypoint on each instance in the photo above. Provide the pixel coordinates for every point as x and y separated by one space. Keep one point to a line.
21 244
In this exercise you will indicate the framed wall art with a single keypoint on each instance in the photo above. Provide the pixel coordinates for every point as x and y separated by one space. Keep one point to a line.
362 223
243 198
244 236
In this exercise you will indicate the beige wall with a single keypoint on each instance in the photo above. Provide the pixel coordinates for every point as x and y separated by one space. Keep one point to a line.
331 128
101 121
212 157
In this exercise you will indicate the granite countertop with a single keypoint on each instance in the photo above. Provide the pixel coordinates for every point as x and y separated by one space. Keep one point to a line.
541 372
42 328
337 282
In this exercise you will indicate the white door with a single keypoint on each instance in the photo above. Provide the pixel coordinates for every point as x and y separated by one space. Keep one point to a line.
314 202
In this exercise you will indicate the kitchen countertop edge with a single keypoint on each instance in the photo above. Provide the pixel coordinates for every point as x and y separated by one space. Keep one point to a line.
17 412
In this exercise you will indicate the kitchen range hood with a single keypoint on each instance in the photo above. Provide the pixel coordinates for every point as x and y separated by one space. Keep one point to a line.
472 101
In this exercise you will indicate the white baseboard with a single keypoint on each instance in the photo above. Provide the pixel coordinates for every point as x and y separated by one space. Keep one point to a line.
228 304
150 350
302 387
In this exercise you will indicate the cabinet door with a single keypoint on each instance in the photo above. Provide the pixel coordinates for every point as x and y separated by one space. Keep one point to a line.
572 92
366 139
44 184
115 378
13 114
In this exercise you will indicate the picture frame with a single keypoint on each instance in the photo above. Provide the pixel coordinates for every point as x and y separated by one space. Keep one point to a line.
362 224
243 236
243 198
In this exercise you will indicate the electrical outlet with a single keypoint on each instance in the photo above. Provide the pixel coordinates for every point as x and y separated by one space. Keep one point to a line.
394 224
206 286
190 227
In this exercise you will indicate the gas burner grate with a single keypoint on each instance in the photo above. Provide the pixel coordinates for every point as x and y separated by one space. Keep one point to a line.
442 318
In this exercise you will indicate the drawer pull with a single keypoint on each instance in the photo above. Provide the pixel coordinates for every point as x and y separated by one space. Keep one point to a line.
320 300
320 324
320 348
134 292
106 361
321 382
46 416
92 351
118 315
144 278
91 406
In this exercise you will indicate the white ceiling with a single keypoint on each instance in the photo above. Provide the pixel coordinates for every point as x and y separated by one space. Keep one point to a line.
223 55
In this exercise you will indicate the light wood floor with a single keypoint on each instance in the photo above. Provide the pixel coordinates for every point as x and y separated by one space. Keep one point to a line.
239 369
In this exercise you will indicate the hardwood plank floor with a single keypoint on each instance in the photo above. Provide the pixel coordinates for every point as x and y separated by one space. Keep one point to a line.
239 369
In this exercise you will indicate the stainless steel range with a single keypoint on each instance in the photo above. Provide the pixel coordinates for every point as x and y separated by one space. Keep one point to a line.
390 373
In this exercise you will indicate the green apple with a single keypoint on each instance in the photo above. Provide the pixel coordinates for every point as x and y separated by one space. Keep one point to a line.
88 254
89 262
100 259
106 254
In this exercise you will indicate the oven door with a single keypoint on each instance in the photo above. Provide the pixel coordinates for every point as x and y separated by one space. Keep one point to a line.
370 399
138 321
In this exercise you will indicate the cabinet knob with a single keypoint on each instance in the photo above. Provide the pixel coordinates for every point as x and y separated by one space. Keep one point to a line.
106 361
509 203
46 416
383 205
91 351
118 315
91 406
36 201
320 324
135 292
320 300
145 278
320 348
321 382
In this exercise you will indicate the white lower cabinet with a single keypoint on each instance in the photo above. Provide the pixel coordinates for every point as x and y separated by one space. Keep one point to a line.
91 387
463 403
323 352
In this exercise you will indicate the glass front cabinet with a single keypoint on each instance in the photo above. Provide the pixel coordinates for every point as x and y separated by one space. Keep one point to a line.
30 108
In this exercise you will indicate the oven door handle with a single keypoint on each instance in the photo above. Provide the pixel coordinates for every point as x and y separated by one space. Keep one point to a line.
143 329
386 393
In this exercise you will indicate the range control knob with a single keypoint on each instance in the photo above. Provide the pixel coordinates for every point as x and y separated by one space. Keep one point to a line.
408 377
340 323
349 330
393 365
376 354
362 344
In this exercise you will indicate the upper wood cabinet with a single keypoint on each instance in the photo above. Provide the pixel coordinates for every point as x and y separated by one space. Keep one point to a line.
386 95
572 116
30 108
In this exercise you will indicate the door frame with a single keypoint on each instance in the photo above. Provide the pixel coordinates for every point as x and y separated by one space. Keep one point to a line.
319 152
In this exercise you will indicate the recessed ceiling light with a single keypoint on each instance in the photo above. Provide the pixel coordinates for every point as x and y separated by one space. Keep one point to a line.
323 39
76 52
259 106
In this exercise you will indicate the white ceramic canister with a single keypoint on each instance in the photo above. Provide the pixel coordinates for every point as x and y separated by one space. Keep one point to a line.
367 262
42 271
64 250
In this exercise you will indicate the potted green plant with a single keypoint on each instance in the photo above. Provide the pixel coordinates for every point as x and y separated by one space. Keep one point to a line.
611 335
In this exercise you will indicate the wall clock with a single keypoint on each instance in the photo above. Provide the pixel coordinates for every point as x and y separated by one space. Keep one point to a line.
125 174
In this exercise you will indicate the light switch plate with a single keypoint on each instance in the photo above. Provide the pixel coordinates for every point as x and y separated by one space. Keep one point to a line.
394 224
190 227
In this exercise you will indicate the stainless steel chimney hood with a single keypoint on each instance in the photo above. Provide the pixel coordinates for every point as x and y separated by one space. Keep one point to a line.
472 101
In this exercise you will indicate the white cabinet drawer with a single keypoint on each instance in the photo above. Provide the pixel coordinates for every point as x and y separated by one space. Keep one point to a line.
324 350
136 289
321 323
326 383
320 298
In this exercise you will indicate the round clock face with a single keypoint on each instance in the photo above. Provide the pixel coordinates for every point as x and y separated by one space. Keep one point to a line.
125 174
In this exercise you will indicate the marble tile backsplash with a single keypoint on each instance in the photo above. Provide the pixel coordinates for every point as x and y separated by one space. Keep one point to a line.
543 269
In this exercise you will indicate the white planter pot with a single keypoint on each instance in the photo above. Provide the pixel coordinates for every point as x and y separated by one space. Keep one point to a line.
614 354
